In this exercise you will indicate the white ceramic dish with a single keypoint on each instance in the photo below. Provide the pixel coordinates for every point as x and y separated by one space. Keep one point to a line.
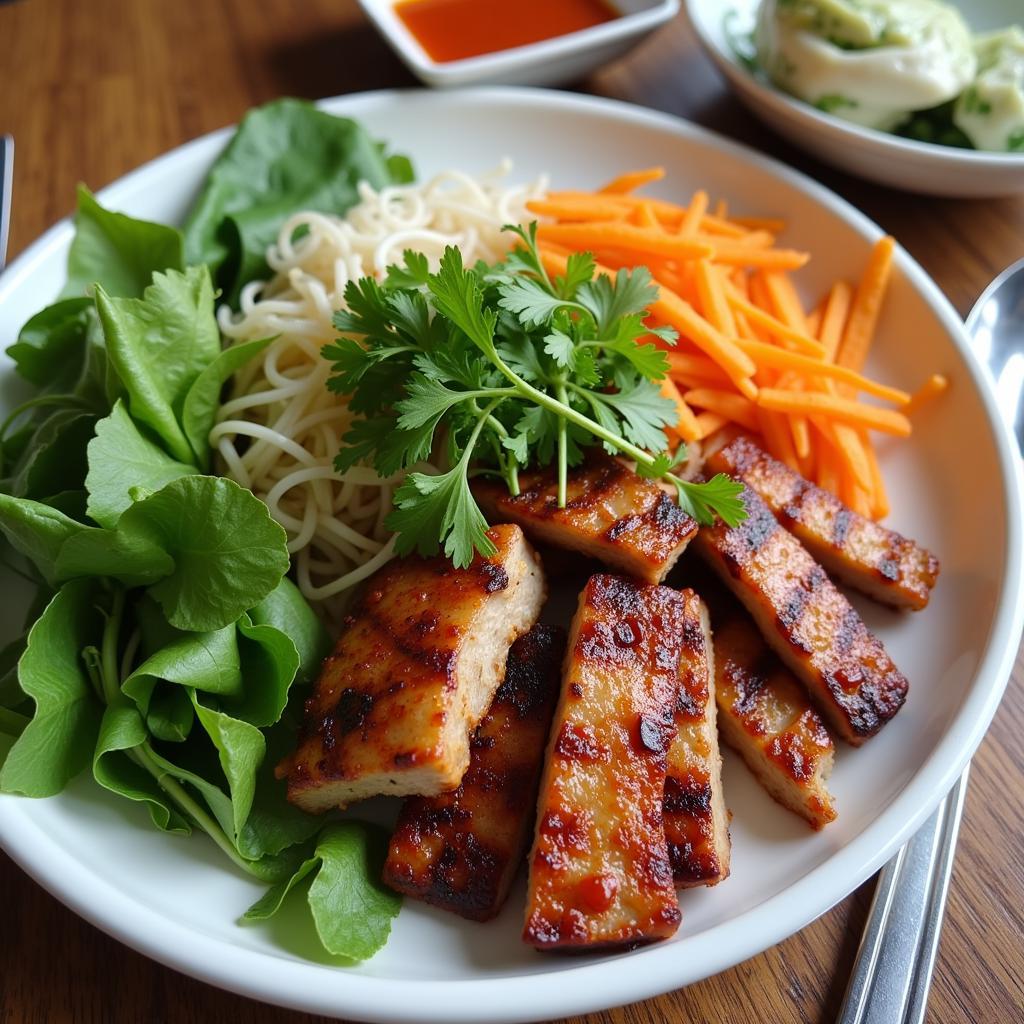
549 62
956 488
878 156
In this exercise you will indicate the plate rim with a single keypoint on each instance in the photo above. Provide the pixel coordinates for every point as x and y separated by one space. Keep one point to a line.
593 986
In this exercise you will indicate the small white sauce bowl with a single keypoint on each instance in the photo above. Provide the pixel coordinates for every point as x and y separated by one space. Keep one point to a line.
878 156
548 62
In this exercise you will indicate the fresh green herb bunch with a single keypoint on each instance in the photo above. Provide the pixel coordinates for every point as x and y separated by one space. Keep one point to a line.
518 369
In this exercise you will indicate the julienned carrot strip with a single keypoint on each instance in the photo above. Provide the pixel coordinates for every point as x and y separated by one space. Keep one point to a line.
722 209
733 407
759 318
867 303
686 426
713 301
785 301
934 386
695 366
828 471
579 209
807 466
734 253
814 323
848 449
879 498
644 217
843 410
856 498
631 180
714 225
629 237
772 224
709 422
833 320
778 436
807 366
678 313
698 207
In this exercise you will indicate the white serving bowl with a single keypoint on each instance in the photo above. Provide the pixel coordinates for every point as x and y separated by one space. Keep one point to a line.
878 156
548 62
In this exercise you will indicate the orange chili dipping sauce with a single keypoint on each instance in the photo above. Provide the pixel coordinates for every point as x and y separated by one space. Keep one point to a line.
454 29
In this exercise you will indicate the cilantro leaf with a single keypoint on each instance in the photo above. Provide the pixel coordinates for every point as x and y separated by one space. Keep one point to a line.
429 508
632 292
529 301
458 296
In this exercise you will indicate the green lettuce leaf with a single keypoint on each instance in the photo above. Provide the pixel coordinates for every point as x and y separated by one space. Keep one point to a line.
228 553
121 458
286 156
352 910
58 741
159 345
118 252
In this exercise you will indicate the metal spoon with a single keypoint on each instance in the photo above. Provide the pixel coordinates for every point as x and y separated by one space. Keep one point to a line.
6 183
893 971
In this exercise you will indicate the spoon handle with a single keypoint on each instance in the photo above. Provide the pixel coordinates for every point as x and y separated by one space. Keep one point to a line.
6 183
893 970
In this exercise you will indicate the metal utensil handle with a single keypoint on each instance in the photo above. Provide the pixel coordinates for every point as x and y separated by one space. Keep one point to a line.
6 187
893 971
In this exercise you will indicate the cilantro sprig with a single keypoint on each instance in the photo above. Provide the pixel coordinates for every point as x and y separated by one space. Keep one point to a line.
516 369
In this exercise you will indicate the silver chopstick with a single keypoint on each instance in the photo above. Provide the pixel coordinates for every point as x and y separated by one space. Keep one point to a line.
893 971
6 187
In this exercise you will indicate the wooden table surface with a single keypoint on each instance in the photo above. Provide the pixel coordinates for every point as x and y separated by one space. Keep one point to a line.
91 90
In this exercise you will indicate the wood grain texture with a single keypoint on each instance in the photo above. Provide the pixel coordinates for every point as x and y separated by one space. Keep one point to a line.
91 90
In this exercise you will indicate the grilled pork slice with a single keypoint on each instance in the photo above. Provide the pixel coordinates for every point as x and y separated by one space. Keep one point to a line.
415 669
600 875
696 819
861 553
764 715
461 850
611 514
806 621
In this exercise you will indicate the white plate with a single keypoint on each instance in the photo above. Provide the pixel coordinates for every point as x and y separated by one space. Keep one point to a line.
955 487
879 156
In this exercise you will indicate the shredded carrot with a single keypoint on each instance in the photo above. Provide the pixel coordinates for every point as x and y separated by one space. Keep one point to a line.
678 313
686 427
734 253
934 386
842 410
698 207
773 326
733 407
784 300
833 319
867 303
828 470
632 180
778 437
851 460
775 226
713 299
753 354
879 499
807 366
643 216
709 422
693 365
